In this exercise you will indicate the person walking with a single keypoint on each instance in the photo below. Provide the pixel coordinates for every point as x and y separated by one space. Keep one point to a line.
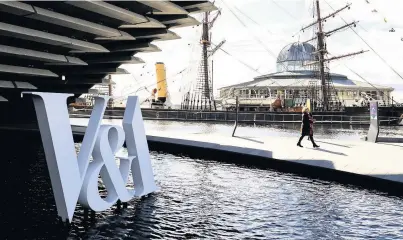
307 128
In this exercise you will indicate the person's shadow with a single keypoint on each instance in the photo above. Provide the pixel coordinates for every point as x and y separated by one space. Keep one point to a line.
334 144
332 152
249 139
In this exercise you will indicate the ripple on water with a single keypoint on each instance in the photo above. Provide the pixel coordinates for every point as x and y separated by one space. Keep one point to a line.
209 200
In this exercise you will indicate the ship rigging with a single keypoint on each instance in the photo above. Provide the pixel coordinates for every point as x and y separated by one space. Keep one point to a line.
326 98
200 95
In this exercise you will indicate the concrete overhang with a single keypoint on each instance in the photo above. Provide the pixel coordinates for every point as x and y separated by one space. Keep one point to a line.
39 56
24 85
49 38
16 84
81 80
122 60
200 7
27 71
184 21
3 99
168 35
135 47
163 7
64 36
29 11
110 11
152 23
97 71
147 33
165 37
71 61
124 36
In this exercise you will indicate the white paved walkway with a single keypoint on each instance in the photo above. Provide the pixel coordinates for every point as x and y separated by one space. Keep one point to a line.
381 160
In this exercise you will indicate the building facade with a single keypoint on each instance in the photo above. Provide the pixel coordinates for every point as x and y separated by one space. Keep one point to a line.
295 81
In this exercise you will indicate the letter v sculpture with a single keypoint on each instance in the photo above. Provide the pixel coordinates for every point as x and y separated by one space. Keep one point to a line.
73 176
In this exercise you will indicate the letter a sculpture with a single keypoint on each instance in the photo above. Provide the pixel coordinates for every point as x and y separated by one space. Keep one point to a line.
74 178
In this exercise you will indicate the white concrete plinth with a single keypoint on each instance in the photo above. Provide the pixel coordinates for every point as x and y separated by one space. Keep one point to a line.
380 160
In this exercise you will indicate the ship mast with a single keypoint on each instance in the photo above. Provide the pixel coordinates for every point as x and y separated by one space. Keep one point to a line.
321 52
205 41
324 77
110 91
201 97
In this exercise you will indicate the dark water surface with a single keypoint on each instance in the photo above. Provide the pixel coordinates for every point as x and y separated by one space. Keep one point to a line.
198 200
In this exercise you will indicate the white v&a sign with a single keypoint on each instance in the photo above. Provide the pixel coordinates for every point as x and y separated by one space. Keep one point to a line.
74 178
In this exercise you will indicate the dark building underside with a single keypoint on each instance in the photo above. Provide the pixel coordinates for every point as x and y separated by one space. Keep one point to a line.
68 46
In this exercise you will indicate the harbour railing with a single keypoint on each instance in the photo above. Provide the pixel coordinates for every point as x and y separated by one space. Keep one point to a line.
243 117
250 117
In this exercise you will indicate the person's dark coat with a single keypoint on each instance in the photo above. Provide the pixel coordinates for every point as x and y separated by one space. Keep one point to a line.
306 124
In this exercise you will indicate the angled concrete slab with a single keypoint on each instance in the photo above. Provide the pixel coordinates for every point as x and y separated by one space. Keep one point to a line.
98 71
39 56
6 84
24 85
48 38
163 34
124 36
3 99
37 13
185 21
163 7
16 8
165 37
71 61
27 71
16 84
147 33
152 23
58 37
122 59
136 47
200 7
110 10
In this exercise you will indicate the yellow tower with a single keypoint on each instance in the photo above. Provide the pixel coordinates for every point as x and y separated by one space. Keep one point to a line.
162 86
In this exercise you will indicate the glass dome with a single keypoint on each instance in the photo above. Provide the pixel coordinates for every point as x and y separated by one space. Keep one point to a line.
294 56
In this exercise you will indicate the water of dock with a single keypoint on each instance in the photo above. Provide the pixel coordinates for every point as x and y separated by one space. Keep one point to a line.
200 198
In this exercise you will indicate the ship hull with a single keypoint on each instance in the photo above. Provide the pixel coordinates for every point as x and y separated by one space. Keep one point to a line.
350 116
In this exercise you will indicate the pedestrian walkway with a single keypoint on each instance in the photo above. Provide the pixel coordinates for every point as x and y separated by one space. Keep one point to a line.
358 158
380 160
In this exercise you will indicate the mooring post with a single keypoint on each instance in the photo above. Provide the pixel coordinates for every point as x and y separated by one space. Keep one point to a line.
236 116
373 131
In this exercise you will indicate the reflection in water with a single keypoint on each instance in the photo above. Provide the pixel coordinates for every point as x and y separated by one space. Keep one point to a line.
198 199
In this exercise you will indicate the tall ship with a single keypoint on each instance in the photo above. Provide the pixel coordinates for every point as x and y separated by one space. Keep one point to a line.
303 78
295 83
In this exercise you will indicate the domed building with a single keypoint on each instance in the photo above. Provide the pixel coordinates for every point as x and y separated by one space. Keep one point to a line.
296 80
295 56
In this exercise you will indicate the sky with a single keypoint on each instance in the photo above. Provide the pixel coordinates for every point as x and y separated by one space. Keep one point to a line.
270 26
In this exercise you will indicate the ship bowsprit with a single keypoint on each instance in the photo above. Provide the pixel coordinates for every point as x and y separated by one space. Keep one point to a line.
69 46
